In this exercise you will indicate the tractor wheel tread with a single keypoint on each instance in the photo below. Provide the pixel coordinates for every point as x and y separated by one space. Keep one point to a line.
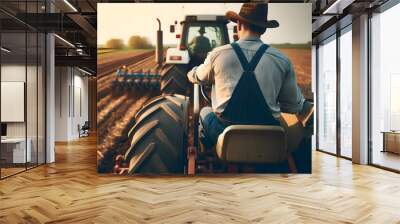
138 159
151 111
171 113
173 79
145 114
158 138
139 135
157 100
163 138
158 164
149 104
174 100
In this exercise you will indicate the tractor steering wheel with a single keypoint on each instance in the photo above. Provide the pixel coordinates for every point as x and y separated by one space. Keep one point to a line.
205 92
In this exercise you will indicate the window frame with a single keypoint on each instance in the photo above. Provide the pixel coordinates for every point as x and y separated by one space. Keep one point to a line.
381 9
333 37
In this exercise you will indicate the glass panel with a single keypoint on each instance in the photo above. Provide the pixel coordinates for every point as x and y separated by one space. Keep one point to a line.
41 99
327 96
346 94
313 87
385 84
31 88
31 98
205 37
13 87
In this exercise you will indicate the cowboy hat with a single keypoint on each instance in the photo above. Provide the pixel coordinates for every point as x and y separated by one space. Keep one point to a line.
202 30
253 13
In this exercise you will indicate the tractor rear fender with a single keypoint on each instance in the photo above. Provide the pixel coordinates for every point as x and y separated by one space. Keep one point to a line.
177 56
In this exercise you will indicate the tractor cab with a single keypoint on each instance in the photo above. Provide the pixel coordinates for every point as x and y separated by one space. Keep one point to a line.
199 35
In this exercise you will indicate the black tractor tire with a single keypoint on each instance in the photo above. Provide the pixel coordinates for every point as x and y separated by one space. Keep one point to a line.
159 137
174 79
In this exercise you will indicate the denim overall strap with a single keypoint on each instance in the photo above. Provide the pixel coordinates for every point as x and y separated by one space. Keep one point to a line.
247 104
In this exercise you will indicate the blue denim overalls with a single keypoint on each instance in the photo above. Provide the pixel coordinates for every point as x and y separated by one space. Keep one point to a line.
246 105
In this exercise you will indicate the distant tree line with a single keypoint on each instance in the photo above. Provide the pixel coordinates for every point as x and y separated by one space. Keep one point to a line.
290 45
134 42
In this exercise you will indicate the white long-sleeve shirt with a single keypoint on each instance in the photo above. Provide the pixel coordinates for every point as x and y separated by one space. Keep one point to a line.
274 73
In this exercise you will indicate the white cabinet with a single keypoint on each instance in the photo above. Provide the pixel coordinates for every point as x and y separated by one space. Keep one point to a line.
17 147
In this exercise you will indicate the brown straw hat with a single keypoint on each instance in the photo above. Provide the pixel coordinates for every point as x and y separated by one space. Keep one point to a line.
253 13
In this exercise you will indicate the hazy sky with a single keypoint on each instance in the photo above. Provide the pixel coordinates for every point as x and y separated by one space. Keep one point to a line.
122 20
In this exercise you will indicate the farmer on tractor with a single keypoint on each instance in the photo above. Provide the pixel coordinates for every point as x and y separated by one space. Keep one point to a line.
200 46
252 83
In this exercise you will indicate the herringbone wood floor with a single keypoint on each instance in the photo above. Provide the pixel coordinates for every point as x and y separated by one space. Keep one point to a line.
70 191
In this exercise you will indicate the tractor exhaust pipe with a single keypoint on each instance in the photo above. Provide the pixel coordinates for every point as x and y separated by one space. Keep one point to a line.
159 46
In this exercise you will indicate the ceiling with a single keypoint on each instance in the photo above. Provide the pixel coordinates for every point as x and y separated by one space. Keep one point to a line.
76 22
332 15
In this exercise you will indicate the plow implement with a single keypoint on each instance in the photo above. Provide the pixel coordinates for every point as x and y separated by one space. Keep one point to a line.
168 79
134 80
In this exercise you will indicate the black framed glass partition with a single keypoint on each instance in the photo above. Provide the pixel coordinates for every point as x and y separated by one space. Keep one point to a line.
14 153
334 93
22 77
345 93
326 95
385 89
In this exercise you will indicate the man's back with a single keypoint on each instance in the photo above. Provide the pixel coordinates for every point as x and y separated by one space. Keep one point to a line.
245 93
274 74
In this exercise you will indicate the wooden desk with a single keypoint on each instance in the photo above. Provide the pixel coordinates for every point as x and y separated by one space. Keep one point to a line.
13 150
391 141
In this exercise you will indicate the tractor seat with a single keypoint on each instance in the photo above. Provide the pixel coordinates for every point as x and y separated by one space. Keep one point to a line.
252 144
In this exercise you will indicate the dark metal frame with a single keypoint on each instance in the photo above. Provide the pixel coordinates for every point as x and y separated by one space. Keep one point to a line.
338 98
369 79
316 96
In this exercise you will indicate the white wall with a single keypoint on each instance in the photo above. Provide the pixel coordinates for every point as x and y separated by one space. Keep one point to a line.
80 111
71 94
33 127
15 73
62 81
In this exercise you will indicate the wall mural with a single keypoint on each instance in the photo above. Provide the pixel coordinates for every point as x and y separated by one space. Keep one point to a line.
174 98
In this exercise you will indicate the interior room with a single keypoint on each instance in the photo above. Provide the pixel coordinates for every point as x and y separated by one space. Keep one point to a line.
22 100
385 123
334 77
49 119
72 102
29 103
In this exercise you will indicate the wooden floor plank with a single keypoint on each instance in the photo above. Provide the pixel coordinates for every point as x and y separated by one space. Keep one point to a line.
70 191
